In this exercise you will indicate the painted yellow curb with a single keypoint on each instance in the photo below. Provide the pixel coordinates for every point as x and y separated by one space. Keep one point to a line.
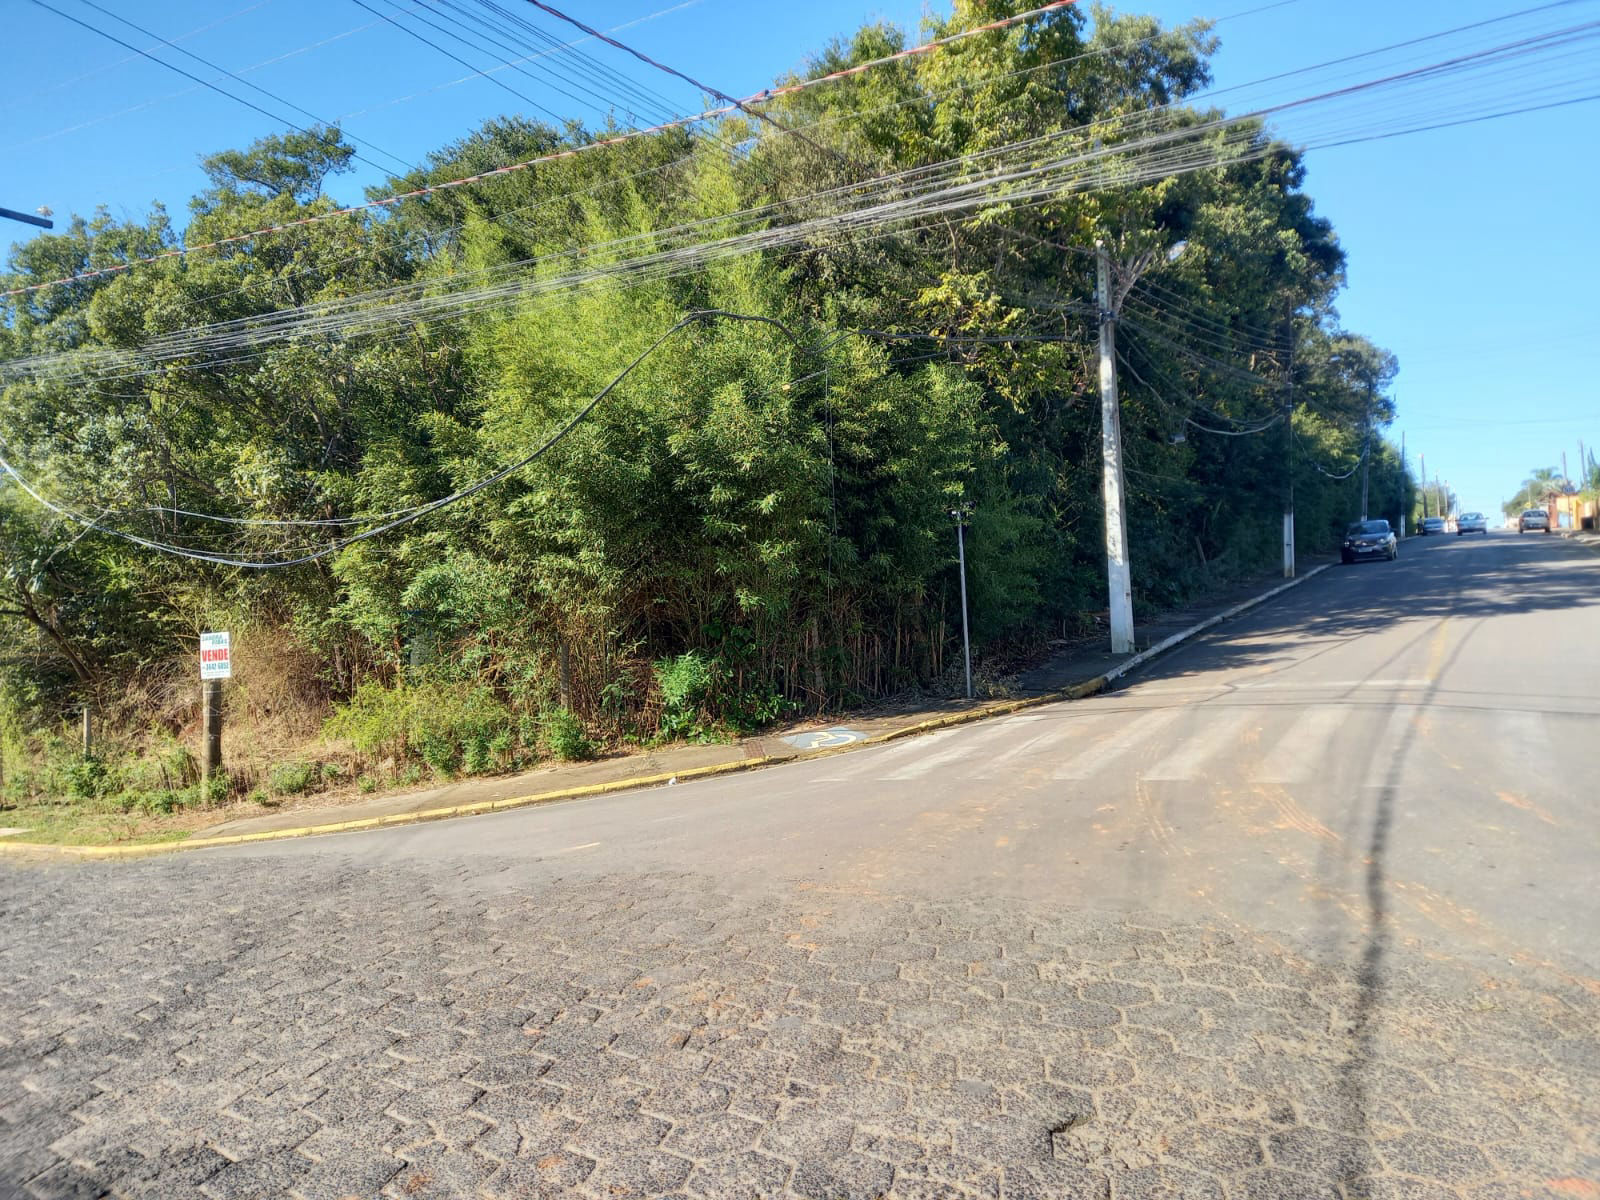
633 782
1078 691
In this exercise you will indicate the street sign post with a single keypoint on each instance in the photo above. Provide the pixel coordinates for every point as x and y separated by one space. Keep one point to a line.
216 664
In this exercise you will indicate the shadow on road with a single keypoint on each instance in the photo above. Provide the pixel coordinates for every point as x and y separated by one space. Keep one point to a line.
1475 580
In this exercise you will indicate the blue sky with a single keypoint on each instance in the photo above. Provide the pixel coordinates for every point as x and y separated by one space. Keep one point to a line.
1472 254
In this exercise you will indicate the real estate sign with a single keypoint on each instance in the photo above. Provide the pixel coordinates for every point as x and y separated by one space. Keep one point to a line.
216 656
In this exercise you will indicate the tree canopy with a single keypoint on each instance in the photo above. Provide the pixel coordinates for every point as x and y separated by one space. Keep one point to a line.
756 518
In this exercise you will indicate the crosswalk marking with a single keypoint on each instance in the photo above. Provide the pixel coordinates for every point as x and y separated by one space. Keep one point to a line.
1080 746
1389 747
1299 750
871 763
1082 766
1200 747
1527 747
928 762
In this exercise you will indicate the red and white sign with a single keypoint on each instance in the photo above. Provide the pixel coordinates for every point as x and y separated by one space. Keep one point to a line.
216 656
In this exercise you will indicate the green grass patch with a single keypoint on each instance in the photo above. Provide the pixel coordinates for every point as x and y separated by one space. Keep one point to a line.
74 825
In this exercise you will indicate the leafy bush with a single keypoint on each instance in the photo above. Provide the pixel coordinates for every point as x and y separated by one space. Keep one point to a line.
440 751
376 720
449 726
215 789
290 779
685 683
565 736
86 779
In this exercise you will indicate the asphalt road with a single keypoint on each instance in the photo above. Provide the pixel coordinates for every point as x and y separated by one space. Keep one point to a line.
1307 909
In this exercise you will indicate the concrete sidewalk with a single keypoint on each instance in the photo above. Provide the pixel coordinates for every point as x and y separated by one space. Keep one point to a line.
1075 670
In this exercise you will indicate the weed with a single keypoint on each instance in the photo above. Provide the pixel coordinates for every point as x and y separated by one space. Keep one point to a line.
565 737
290 779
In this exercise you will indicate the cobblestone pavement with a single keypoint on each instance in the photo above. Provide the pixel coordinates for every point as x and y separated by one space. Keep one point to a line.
309 1027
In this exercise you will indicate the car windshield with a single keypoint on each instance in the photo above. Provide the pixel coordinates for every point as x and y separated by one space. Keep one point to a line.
1368 527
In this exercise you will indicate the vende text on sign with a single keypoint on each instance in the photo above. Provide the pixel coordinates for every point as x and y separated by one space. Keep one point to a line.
216 656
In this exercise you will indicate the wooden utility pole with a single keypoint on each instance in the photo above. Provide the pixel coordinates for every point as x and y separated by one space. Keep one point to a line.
216 664
210 732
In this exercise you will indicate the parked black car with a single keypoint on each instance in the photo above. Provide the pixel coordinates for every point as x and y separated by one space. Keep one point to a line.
1369 539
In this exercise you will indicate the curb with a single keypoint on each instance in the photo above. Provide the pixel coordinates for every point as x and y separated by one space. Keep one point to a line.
1078 691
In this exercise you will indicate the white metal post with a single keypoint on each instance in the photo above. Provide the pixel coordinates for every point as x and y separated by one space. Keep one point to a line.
1119 579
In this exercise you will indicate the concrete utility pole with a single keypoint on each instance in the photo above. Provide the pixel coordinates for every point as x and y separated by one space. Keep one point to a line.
961 515
1366 456
1119 576
1288 461
1423 459
1403 468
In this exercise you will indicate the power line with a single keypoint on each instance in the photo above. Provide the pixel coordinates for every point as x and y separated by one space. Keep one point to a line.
100 70
707 115
404 516
508 66
947 186
426 41
197 79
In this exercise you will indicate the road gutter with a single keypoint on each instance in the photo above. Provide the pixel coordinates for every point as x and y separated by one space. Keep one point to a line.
1078 691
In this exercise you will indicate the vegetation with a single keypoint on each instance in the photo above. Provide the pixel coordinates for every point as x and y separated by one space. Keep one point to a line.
752 524
1536 490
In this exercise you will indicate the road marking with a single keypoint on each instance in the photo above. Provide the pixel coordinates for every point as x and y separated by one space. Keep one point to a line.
1528 751
921 766
1302 745
1218 735
1384 765
1097 756
1066 728
872 760
1339 684
585 846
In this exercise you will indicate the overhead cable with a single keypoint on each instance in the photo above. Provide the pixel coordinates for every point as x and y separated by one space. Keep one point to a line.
206 83
598 143
404 516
